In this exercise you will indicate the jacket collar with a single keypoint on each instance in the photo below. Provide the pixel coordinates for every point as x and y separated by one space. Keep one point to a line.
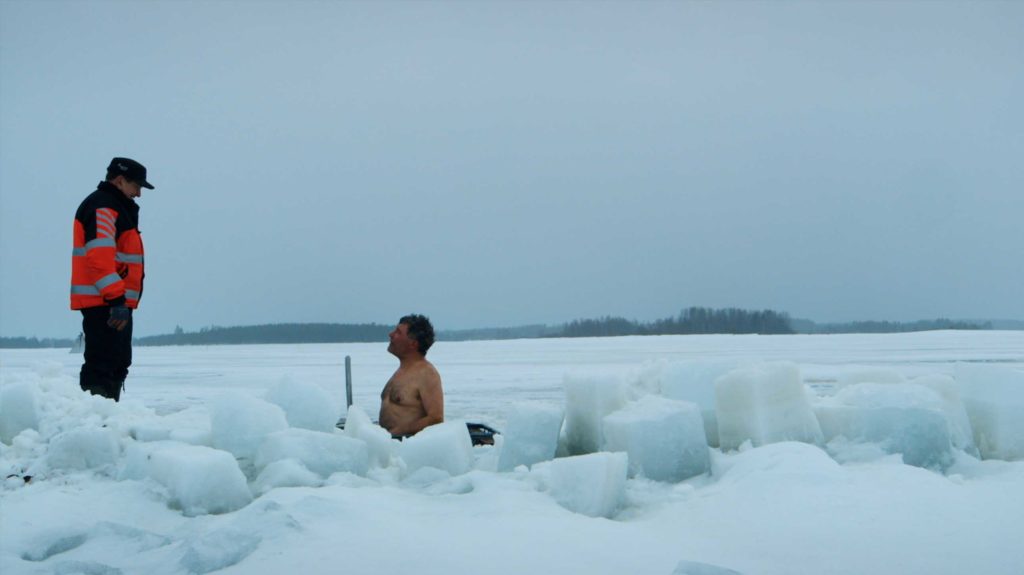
109 188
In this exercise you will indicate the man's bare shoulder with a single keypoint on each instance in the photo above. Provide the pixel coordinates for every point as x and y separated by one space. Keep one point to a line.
426 373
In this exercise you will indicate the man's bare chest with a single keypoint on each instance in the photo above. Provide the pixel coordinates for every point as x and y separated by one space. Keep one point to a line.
400 391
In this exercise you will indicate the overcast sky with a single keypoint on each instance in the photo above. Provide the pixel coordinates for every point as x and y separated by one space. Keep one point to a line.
495 164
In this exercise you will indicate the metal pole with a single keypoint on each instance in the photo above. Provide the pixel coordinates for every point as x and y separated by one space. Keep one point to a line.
348 379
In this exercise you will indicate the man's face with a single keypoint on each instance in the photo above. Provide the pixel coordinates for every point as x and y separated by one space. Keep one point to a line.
129 188
400 342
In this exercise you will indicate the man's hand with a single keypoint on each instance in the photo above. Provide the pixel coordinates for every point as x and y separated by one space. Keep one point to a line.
120 315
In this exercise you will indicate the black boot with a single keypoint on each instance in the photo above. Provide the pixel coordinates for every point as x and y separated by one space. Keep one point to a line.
105 386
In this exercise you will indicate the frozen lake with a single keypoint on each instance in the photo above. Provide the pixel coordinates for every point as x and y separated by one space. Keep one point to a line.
779 509
482 377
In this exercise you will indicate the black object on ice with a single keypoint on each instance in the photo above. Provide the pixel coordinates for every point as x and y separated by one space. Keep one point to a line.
481 433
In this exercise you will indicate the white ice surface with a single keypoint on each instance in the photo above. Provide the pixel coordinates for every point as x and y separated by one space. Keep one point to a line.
784 508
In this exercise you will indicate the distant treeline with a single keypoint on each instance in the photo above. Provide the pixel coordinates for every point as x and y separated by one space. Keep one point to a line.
694 320
33 343
329 333
698 320
1010 324
274 333
495 333
807 326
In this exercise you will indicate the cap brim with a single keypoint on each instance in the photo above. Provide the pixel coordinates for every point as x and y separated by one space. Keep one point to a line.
147 185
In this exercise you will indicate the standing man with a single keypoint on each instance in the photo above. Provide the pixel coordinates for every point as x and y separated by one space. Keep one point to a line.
107 268
412 398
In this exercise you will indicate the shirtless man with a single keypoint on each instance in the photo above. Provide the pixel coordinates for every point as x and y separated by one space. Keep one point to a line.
412 398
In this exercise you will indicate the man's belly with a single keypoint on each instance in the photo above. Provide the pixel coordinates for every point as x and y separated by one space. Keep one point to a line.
392 414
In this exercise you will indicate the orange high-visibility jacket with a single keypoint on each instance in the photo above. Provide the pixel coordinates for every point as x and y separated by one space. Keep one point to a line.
107 263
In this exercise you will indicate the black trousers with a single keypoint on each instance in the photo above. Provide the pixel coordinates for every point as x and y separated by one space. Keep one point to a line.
108 353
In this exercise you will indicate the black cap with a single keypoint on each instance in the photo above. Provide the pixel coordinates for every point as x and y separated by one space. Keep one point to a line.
130 169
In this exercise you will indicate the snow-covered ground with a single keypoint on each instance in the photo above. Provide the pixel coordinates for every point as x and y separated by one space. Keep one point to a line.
223 459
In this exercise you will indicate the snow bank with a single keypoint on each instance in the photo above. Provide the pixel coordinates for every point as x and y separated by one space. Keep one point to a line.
785 463
218 550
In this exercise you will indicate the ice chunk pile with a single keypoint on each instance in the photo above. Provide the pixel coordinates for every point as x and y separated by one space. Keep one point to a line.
321 453
380 446
199 479
994 398
18 410
239 422
51 430
285 473
610 431
764 403
530 435
306 405
593 484
904 418
951 404
83 448
587 401
445 446
692 381
663 438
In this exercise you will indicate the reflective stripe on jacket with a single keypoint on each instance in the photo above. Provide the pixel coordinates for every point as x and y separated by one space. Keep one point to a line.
107 261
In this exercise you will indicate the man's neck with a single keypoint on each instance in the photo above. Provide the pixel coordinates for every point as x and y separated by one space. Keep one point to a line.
410 360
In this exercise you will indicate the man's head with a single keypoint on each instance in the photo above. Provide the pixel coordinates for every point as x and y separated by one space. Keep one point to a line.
128 176
414 332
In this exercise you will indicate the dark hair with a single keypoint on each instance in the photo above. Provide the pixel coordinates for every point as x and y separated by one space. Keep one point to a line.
112 175
420 330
